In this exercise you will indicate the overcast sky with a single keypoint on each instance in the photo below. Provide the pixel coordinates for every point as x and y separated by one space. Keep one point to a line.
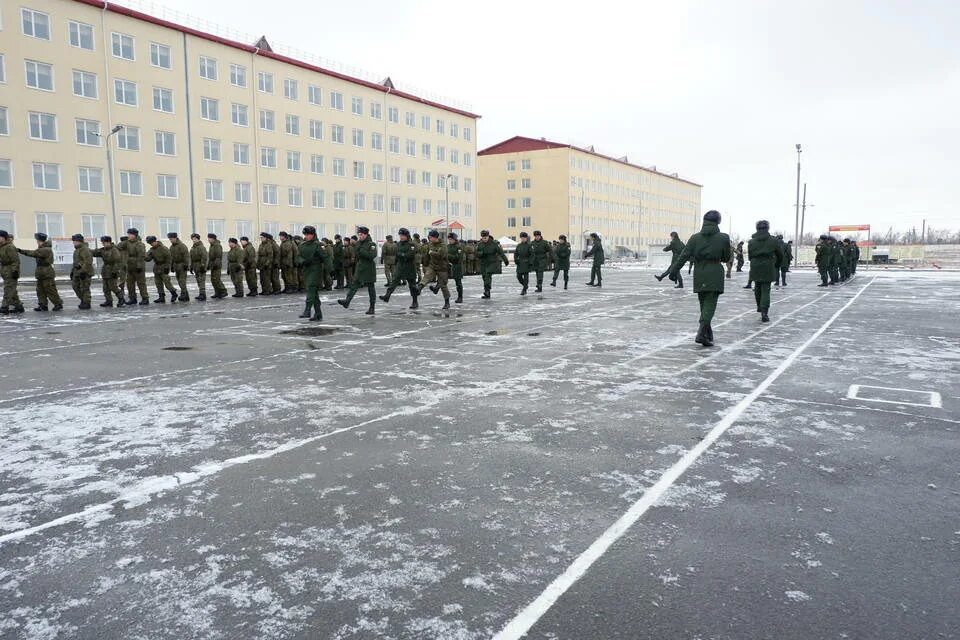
718 91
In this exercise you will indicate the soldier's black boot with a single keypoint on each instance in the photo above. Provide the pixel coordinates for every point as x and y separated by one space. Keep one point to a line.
58 307
184 297
486 294
144 302
435 289
4 309
317 315
132 300
369 311
306 310
459 299
415 304
160 300
121 303
446 303
252 293
40 307
83 306
708 334
564 284
763 316
106 304
202 297
701 334
386 297
553 282
659 277
18 308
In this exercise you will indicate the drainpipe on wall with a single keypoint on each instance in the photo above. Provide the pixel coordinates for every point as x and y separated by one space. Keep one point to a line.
186 84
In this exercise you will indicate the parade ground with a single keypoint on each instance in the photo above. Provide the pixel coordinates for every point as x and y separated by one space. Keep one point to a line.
568 465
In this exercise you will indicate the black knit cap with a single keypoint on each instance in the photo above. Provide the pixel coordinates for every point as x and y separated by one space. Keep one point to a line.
106 239
172 235
149 239
212 236
77 237
134 231
42 237
451 236
712 216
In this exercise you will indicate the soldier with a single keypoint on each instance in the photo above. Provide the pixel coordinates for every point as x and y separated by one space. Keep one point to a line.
288 259
457 259
738 252
418 253
836 255
328 266
122 267
523 259
10 272
365 274
275 283
787 248
110 256
349 260
405 271
855 258
265 264
199 261
823 259
471 251
709 249
552 258
766 256
236 260
136 269
540 257
297 241
388 257
160 256
561 261
490 254
596 252
82 270
312 256
44 274
249 265
437 268
179 265
337 272
676 247
215 265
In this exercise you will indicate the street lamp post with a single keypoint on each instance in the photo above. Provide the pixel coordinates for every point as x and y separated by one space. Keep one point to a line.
583 244
796 225
113 197
446 185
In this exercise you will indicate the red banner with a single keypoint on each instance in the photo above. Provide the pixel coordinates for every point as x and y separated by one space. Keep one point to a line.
850 227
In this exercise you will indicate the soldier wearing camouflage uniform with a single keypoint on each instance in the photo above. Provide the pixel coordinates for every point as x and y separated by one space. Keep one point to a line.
10 273
418 252
249 265
437 268
337 272
405 270
122 267
458 259
82 270
312 256
275 283
288 262
111 257
160 256
265 264
136 268
236 258
491 255
561 262
199 260
349 260
179 264
540 258
365 274
44 274
215 265
388 258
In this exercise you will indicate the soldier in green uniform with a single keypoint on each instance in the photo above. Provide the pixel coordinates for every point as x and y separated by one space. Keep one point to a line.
349 260
388 257
835 257
437 268
265 264
738 252
787 259
82 270
215 265
708 250
275 283
10 273
490 254
854 257
471 250
136 268
561 263
823 259
540 251
44 274
199 259
179 265
249 265
122 267
337 272
457 258
766 256
552 258
288 262
365 274
297 241
328 266
596 252
236 260
312 256
676 247
110 256
523 258
160 256
405 271
418 250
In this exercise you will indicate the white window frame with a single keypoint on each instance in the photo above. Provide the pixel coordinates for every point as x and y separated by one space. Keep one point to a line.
129 180
238 75
167 179
264 82
157 51
121 93
160 139
241 151
269 195
209 107
44 166
291 89
33 27
75 28
83 76
213 190
125 135
85 175
37 66
40 117
212 150
160 92
117 40
243 192
239 114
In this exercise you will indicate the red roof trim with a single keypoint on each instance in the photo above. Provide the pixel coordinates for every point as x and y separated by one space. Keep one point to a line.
519 144
145 17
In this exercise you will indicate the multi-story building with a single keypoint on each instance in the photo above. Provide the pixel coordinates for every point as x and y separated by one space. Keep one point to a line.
210 134
534 184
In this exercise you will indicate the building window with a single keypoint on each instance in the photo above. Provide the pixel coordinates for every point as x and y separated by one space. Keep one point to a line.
467 184
244 228
85 84
376 141
360 202
511 185
241 153
468 210
211 150
238 75
160 55
412 148
454 130
511 165
425 150
410 118
131 183
165 143
358 170
411 205
39 75
268 157
525 183
393 115
293 125
293 161
239 115
43 126
162 100
90 179
81 35
426 179
318 199
122 46
395 204
376 111
269 194
46 175
167 186
125 92
241 192
467 134
511 203
376 172
35 24
525 203
358 137
336 133
467 160
213 190
50 224
316 129
525 165
265 82
356 106
208 68
314 95
526 221
395 175
216 227
394 145
377 205
291 90
267 120
4 122
6 175
425 123
512 222
316 164
427 206
295 196
440 126
135 222
169 225
339 167
339 199
336 101
441 154
128 139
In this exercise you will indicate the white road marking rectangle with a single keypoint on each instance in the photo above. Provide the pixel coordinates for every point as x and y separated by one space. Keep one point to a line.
895 395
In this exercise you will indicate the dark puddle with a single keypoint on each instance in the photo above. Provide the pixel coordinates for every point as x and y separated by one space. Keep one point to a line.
178 349
497 332
310 331
533 335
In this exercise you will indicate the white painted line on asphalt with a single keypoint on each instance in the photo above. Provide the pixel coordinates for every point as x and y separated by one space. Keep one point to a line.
533 612
861 407
933 398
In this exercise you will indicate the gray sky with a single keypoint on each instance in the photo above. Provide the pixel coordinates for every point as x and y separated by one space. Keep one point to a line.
717 91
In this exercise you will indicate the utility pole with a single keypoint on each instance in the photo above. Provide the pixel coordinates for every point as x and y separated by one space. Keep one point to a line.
923 233
796 227
113 197
446 185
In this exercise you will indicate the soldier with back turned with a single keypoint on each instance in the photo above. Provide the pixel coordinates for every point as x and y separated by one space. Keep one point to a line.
136 268
215 265
44 274
199 259
110 257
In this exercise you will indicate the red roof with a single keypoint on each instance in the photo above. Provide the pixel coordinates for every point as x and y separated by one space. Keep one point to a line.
138 15
519 144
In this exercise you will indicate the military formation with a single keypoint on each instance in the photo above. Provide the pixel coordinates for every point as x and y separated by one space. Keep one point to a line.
288 264
836 260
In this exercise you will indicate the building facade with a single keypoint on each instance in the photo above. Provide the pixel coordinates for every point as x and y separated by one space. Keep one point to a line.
534 184
214 135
